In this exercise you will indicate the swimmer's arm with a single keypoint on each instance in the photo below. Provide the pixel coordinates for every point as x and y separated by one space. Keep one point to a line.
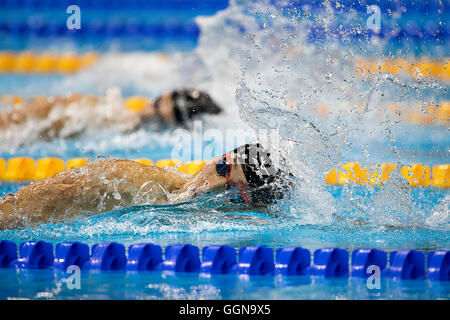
100 186
40 108
34 204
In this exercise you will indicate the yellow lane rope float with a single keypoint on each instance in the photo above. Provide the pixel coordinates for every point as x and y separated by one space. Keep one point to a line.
434 114
44 63
438 114
11 99
27 169
136 103
416 174
29 62
418 69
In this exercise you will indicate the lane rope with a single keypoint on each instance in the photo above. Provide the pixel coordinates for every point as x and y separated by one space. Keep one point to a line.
19 169
45 63
416 68
223 259
22 169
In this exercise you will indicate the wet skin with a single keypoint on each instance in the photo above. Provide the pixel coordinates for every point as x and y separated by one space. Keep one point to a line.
39 108
104 185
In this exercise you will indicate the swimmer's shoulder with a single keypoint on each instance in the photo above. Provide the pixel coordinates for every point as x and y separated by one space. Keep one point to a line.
133 171
127 167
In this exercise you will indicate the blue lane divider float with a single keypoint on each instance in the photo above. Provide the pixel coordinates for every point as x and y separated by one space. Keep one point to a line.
8 254
255 260
71 253
117 4
222 259
187 29
107 256
361 6
406 265
218 259
362 259
439 265
182 258
144 257
330 262
35 255
292 261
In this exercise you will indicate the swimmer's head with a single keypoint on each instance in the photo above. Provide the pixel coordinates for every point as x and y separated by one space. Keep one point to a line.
188 103
263 181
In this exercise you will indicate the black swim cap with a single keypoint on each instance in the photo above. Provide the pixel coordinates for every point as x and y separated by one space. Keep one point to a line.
189 102
256 164
263 178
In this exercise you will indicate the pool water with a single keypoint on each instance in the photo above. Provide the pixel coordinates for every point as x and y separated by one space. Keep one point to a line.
45 284
252 59
201 224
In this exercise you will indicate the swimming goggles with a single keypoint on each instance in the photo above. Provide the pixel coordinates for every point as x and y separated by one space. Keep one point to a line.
223 168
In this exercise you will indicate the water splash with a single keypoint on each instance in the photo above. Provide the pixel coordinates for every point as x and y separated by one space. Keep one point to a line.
284 78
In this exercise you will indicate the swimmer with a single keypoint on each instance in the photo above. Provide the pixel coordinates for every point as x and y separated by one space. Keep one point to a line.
105 185
63 117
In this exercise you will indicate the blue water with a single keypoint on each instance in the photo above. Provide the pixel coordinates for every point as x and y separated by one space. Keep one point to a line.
200 224
46 284
390 218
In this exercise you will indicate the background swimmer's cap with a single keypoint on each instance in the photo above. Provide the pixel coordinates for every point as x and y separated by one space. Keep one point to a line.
190 102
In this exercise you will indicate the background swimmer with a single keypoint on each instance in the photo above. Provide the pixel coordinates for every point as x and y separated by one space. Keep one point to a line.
56 114
105 185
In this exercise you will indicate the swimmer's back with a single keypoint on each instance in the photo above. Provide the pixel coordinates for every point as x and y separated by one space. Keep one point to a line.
100 186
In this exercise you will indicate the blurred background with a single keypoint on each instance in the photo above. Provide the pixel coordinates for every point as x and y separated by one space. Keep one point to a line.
371 78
